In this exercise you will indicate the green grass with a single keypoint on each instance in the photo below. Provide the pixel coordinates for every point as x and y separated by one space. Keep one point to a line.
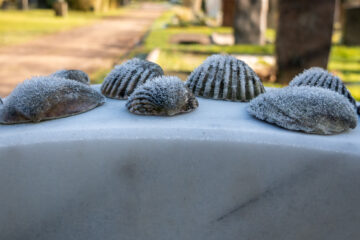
345 62
98 76
21 26
174 61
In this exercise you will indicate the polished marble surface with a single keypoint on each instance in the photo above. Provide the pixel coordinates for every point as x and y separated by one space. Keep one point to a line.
216 173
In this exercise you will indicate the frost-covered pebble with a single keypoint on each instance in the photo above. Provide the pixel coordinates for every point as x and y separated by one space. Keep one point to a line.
318 77
162 96
72 74
309 109
124 78
42 98
225 77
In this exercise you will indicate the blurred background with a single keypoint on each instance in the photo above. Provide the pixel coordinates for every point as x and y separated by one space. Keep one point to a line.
277 38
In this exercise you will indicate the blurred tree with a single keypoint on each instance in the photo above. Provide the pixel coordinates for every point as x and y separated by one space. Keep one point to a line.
93 5
272 14
197 5
250 21
61 8
228 9
350 21
303 36
23 4
123 2
187 3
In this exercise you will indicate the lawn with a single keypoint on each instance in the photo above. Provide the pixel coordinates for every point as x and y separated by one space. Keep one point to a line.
21 26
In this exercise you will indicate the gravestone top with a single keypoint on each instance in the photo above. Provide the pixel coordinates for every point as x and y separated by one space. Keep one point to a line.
215 173
212 120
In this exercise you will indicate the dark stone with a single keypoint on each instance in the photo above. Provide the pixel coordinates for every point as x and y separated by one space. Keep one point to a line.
303 37
250 21
60 8
351 25
183 38
123 2
23 4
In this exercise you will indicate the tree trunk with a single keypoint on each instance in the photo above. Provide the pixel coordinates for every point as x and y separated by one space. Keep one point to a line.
250 21
304 36
197 5
24 4
123 2
228 9
272 18
351 23
60 8
187 3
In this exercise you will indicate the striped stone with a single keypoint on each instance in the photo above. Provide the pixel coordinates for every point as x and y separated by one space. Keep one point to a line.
318 77
224 77
124 78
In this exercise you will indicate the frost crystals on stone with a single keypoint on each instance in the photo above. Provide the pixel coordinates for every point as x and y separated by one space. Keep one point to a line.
318 77
309 109
42 98
226 78
162 96
76 75
124 78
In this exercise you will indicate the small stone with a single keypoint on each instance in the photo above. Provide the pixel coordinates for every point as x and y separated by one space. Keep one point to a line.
72 74
44 98
186 38
123 79
164 96
308 109
224 77
318 77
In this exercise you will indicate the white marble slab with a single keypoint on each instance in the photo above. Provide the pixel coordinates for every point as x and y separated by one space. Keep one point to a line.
214 174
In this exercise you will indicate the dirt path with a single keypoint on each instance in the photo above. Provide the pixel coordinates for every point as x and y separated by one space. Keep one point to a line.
87 48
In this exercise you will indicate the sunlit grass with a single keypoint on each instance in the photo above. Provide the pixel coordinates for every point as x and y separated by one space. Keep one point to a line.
345 53
270 35
99 75
170 61
345 62
355 91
